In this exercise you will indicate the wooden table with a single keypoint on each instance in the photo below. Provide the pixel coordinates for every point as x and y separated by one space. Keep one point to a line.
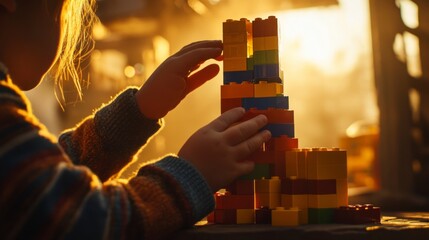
394 226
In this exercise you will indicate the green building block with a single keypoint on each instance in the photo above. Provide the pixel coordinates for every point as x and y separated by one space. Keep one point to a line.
320 215
260 171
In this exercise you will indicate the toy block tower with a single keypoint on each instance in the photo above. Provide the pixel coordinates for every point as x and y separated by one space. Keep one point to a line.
252 80
288 186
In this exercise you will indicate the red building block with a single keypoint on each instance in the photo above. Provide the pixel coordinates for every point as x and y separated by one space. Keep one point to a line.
241 187
322 186
228 201
225 216
229 103
211 217
265 157
282 143
357 214
294 186
265 27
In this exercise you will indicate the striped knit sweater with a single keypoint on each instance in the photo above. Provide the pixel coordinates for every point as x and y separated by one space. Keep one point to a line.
61 189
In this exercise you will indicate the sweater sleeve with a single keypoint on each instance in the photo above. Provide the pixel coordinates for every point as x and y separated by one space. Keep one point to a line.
45 196
107 141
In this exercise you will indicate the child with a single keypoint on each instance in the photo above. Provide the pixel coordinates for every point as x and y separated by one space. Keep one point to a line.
65 189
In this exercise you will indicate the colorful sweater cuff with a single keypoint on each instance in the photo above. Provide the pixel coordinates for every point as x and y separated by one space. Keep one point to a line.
121 122
193 183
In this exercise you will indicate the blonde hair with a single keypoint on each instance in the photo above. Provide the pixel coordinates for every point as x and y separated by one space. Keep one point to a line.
77 18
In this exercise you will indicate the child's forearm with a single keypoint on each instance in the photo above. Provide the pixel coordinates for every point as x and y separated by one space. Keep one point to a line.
108 141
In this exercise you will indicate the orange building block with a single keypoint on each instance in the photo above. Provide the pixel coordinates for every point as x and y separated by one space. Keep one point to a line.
238 50
237 26
266 89
235 90
274 115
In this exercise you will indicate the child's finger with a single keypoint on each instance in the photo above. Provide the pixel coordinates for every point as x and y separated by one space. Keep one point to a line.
199 78
226 119
244 130
245 167
187 61
252 144
200 44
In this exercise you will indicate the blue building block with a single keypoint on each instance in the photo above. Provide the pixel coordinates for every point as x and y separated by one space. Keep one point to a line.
237 76
264 103
267 72
281 129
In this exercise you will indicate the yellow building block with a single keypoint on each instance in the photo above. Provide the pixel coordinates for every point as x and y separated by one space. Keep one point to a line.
296 163
235 64
285 217
235 51
271 43
342 192
258 43
265 89
323 163
270 200
272 185
296 200
245 216
323 201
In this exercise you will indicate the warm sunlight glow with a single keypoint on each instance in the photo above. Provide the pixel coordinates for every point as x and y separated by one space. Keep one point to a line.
161 48
409 13
198 6
129 71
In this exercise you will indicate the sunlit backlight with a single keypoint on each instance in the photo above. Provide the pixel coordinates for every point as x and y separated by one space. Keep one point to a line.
327 37
99 31
409 13
161 48
129 71
407 49
412 50
198 6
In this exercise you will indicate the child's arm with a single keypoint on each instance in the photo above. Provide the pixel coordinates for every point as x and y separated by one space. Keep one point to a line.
45 196
109 140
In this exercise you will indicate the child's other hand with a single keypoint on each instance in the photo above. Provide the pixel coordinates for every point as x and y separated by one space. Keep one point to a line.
172 80
218 149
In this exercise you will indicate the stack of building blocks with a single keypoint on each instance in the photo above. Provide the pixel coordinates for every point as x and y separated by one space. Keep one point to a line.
289 186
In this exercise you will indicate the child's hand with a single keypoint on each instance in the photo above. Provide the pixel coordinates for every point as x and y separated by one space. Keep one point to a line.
218 149
172 81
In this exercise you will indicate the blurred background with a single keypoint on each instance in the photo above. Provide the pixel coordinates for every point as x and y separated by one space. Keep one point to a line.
356 73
